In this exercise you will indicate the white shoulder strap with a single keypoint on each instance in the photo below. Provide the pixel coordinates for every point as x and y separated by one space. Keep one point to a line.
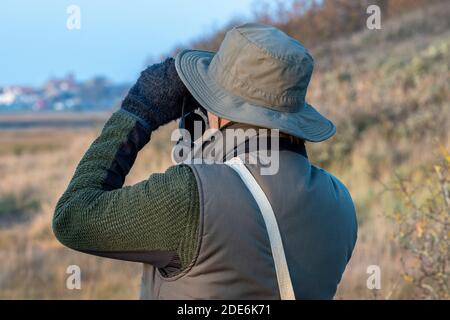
276 244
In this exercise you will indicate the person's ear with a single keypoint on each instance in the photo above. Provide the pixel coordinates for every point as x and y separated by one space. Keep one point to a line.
213 120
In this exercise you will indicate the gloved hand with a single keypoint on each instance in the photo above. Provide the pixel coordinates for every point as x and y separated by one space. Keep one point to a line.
157 96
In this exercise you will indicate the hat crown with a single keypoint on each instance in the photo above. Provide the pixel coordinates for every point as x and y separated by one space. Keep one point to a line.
264 66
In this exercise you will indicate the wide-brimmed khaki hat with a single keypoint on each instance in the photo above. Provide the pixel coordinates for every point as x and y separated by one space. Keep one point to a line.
258 76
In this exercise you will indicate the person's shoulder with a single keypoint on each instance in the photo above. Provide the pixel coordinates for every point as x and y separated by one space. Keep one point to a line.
334 181
176 179
179 170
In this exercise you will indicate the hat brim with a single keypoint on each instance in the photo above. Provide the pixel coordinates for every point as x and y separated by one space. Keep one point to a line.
307 124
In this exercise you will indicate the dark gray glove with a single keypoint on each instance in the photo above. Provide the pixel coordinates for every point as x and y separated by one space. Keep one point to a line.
157 96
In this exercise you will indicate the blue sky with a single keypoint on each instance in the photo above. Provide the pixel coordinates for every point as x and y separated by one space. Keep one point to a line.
115 39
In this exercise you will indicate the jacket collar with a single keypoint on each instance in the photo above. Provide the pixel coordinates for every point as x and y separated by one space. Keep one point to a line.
220 145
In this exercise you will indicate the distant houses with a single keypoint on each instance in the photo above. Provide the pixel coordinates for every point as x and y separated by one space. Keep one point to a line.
65 94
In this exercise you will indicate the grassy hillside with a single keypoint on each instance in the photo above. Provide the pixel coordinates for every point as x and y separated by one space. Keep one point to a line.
388 93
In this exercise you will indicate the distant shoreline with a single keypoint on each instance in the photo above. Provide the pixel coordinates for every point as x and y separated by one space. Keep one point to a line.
30 120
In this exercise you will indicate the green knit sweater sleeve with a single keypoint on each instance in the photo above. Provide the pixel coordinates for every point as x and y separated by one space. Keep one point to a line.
154 221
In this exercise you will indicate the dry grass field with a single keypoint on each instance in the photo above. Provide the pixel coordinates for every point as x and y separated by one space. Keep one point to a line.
388 93
36 166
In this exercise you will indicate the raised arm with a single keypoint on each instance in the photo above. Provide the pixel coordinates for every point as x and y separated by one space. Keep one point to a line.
154 221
